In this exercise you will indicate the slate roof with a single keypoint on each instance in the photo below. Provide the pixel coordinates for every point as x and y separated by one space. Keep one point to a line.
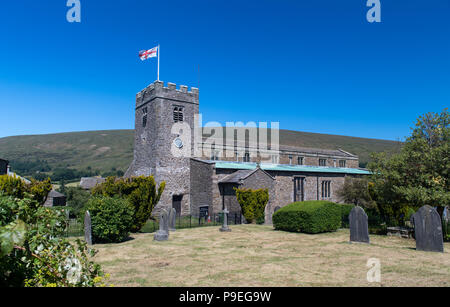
55 194
89 183
237 176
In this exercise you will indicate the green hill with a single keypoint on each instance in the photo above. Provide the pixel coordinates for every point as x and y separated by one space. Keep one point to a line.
110 151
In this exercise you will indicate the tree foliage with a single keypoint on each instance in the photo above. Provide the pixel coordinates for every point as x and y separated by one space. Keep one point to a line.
356 191
112 219
141 192
253 203
16 187
419 174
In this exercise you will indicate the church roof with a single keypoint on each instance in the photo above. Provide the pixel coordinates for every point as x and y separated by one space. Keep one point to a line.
290 168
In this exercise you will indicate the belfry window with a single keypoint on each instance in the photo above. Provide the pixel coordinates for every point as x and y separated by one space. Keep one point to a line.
322 162
342 163
178 114
300 160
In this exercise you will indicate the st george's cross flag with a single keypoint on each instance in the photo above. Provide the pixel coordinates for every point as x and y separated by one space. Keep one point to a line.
146 54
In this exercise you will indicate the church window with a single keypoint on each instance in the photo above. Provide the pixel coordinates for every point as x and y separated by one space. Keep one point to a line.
300 160
322 162
326 189
178 114
342 163
247 157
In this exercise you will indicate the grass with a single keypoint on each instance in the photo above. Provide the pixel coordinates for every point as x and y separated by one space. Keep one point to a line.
258 256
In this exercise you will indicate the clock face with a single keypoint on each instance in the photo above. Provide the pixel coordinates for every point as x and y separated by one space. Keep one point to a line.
178 143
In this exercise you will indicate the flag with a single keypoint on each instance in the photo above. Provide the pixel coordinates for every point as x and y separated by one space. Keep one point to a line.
151 53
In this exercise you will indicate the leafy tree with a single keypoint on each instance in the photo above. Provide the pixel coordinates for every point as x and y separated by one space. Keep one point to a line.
76 199
419 174
253 203
141 192
356 191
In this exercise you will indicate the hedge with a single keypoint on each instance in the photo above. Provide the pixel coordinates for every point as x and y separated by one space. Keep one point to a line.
308 217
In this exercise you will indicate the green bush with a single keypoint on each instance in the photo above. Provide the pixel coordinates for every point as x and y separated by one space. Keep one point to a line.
77 199
33 252
308 217
112 219
141 192
253 203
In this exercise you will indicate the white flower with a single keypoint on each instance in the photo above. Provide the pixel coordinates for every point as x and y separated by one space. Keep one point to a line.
73 268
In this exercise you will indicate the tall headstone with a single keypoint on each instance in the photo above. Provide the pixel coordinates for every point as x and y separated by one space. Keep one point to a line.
172 219
163 233
359 226
225 227
428 230
88 228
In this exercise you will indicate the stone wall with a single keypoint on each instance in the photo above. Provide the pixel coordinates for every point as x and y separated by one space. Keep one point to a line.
201 186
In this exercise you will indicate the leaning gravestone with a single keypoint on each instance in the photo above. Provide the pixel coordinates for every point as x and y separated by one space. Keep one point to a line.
163 233
172 219
428 230
88 228
359 226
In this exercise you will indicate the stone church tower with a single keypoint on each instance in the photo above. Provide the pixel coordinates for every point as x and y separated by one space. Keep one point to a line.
162 146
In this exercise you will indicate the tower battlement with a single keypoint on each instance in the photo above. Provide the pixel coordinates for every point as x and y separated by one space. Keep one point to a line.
167 90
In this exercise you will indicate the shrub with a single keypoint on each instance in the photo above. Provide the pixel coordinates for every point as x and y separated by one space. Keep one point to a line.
141 192
253 203
17 188
111 218
32 252
308 217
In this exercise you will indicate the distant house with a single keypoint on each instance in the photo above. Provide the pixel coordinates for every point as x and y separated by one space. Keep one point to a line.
3 167
88 183
55 199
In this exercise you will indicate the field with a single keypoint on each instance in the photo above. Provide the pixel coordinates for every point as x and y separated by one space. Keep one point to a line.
258 256
105 150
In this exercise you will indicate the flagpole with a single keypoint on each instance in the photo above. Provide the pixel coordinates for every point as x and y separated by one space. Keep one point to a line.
158 61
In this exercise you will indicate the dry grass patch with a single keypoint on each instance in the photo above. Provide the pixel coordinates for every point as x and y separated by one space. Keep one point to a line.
259 256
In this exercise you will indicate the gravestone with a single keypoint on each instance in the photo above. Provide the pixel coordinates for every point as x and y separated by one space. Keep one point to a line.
88 228
163 233
359 226
225 227
428 230
172 219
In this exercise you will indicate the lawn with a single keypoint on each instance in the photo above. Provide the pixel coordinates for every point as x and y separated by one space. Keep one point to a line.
258 256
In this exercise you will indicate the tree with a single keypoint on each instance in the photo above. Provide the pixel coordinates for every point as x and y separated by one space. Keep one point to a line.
356 191
141 192
419 174
253 203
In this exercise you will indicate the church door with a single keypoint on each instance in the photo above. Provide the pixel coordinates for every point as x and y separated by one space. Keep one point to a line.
176 203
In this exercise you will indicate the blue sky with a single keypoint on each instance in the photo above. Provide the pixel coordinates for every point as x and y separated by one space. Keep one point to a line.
315 66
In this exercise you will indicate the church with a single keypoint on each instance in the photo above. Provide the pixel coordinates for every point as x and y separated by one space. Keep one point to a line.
201 182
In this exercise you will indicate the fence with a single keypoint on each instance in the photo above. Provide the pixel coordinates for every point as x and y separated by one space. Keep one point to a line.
75 228
190 221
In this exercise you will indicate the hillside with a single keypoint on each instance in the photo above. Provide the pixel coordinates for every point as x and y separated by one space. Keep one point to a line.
100 152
